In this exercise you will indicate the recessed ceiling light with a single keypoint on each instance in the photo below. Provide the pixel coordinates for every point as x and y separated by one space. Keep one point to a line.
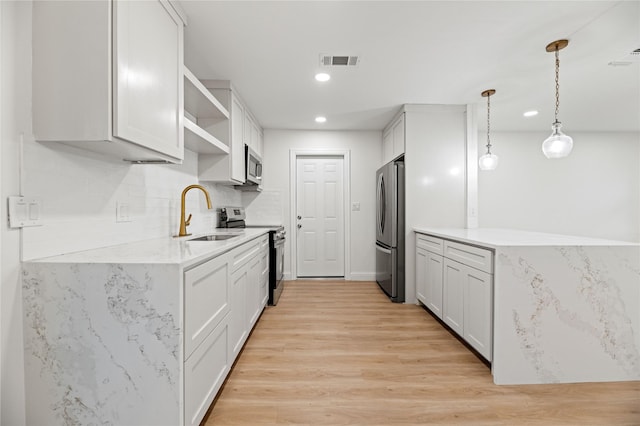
323 76
321 119
530 113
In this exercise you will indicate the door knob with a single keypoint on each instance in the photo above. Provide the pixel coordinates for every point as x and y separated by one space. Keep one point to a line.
299 226
299 217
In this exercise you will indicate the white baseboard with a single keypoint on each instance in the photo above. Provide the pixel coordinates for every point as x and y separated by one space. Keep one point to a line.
363 276
355 276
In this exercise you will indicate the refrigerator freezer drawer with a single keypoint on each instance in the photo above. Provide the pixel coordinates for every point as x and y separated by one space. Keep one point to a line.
385 267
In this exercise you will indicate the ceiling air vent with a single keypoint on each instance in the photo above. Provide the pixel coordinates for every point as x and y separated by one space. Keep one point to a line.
338 60
631 58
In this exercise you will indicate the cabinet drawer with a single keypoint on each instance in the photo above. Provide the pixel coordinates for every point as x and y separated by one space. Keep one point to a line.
204 374
244 253
429 243
475 257
206 300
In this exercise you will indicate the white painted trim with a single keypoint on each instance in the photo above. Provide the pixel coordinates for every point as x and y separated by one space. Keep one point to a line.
472 167
2 196
346 193
363 276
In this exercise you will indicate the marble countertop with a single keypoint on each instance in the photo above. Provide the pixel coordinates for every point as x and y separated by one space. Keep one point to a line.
168 250
495 237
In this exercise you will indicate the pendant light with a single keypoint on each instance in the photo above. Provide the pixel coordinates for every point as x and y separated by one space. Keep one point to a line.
557 145
488 161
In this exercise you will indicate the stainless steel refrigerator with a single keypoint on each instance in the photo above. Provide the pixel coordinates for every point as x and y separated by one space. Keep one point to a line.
390 223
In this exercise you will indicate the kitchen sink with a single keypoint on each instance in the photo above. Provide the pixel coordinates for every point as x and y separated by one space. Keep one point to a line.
214 237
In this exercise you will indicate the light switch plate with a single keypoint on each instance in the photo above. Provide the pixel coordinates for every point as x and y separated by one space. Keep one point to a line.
25 211
355 207
122 212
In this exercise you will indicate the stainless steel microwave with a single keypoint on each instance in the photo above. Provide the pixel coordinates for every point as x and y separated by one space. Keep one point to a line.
253 166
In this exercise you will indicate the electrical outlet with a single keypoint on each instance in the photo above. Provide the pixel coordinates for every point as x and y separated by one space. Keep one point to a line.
24 211
122 212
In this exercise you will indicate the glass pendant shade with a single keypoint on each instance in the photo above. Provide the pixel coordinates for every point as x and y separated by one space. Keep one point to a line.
488 161
557 145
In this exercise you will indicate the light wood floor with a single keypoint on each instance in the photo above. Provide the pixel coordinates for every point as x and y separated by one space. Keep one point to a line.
338 353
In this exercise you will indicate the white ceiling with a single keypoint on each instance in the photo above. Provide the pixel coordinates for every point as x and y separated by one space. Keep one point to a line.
424 52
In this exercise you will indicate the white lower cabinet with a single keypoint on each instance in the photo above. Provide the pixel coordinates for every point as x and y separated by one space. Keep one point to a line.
455 281
435 283
237 318
206 300
264 274
453 309
421 275
259 280
224 298
478 310
204 373
246 291
429 270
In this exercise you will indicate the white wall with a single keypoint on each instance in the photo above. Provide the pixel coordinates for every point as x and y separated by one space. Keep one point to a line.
79 191
435 171
272 205
15 90
594 192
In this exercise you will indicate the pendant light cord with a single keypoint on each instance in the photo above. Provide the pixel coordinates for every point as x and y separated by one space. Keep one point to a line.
557 83
488 124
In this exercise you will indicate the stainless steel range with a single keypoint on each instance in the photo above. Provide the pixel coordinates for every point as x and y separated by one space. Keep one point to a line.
234 217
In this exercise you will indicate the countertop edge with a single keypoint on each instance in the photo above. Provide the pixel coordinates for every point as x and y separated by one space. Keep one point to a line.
495 238
157 251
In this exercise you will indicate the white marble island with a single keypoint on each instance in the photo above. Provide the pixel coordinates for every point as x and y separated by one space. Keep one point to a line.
565 309
108 339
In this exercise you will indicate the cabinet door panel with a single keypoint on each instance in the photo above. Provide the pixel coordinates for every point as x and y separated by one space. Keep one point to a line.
264 277
478 321
206 300
204 374
453 300
387 147
237 317
434 270
148 75
398 137
71 80
253 291
421 275
237 141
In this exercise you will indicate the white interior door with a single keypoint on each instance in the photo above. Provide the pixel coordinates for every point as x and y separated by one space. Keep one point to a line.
320 217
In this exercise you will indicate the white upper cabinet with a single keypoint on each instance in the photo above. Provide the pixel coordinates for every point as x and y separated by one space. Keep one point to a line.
108 77
387 146
252 133
393 139
241 128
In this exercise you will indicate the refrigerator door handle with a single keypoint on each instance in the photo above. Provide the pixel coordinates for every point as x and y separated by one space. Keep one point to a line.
382 201
382 249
